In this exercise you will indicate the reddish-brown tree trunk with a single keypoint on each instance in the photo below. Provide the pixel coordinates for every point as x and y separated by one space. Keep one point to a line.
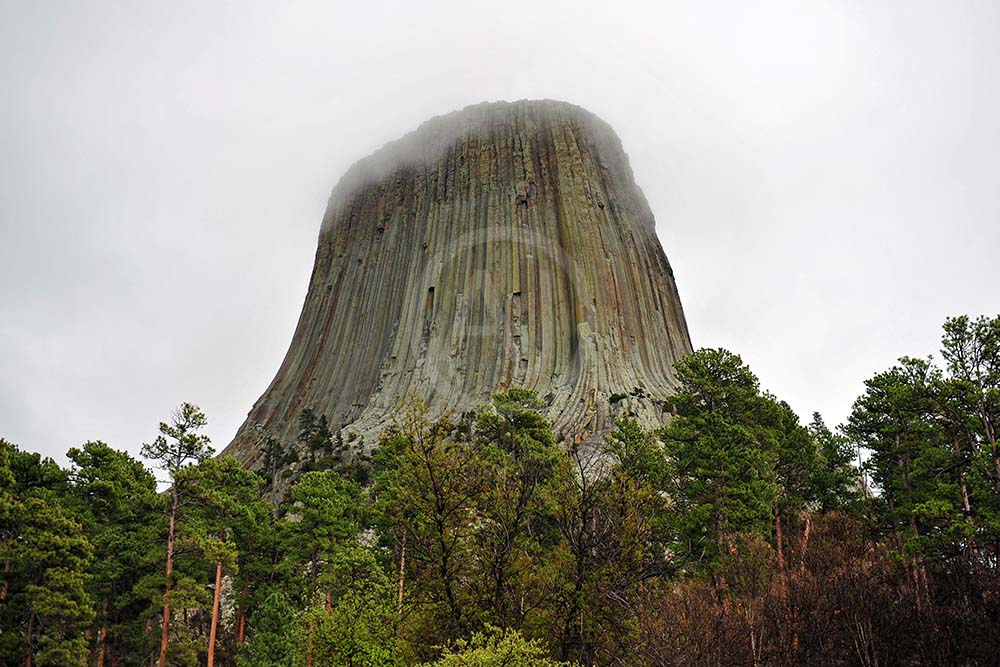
115 641
165 635
102 635
215 605
3 590
805 545
241 618
313 578
782 572
29 640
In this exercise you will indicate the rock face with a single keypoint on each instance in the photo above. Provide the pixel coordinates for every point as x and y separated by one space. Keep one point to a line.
504 244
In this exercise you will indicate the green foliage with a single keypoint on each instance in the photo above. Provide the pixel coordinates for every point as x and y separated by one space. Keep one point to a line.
485 536
274 638
177 447
427 485
931 434
179 441
325 513
517 458
115 498
359 628
54 557
514 423
835 479
496 648
314 434
895 421
721 456
274 456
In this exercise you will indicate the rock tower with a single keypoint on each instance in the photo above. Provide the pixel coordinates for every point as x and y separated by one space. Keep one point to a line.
506 244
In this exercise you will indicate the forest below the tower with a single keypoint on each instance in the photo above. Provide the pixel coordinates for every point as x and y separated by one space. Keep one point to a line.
739 534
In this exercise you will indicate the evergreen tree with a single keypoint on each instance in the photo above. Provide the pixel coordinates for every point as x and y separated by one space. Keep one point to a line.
314 434
274 456
274 639
325 512
359 626
795 463
229 497
115 497
8 520
893 419
835 478
971 349
519 454
44 606
53 558
720 451
178 445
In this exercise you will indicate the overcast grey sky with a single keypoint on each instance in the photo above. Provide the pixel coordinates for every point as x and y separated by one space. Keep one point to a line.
825 177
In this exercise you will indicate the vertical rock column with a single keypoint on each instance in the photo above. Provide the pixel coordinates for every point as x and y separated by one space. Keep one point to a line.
504 244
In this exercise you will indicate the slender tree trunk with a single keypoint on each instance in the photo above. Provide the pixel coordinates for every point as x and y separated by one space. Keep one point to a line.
103 634
864 475
782 572
805 544
241 618
116 639
447 578
4 588
909 492
165 635
215 605
966 503
991 438
309 642
726 546
313 577
402 575
149 628
29 639
576 601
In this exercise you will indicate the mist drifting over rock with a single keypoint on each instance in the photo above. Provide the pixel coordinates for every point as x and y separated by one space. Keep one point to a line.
506 244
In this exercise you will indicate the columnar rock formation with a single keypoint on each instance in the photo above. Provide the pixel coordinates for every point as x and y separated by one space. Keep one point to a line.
504 244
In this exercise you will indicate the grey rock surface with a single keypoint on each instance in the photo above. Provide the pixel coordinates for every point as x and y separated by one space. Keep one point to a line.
503 244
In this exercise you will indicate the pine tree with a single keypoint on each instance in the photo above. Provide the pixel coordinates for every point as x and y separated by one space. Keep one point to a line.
519 455
274 639
835 478
178 445
54 557
720 450
229 498
894 420
359 625
115 497
44 606
971 349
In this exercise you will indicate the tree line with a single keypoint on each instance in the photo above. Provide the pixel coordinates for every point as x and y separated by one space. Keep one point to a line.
736 535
